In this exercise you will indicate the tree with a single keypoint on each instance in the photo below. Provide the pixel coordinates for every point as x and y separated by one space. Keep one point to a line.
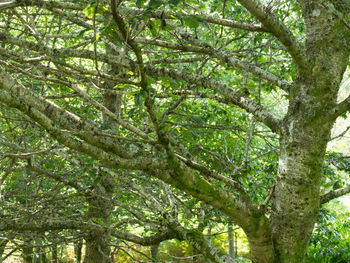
55 70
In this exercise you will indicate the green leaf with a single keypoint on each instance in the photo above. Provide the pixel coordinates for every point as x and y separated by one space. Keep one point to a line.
198 120
140 3
174 2
179 18
154 4
191 22
97 180
98 221
139 97
124 86
194 21
111 30
154 27
89 11
337 185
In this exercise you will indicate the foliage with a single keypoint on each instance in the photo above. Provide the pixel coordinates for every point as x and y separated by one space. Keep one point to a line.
330 242
136 123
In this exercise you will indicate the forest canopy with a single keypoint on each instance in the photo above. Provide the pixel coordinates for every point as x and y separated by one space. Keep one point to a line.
170 130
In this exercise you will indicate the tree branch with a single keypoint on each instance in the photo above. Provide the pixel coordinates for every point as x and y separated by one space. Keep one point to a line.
67 5
66 119
80 146
145 241
238 208
200 242
206 18
207 172
334 194
62 52
64 224
222 56
8 5
231 96
278 29
340 108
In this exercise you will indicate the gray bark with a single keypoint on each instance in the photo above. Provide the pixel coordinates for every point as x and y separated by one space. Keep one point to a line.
231 245
100 205
154 252
97 241
305 134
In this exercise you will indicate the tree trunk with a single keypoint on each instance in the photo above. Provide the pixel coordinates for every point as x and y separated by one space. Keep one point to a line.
78 245
100 207
154 252
303 143
54 256
40 253
297 201
3 244
306 131
97 248
231 247
27 252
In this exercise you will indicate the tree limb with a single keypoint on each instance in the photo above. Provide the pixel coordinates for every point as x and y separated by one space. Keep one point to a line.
222 56
231 96
66 119
334 194
8 5
278 29
80 146
206 18
340 108
64 224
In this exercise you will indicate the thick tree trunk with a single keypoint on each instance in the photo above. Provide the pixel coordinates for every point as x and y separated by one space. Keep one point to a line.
97 247
303 141
297 201
305 134
306 131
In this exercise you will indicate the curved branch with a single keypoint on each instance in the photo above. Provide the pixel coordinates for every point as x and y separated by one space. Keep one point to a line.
227 58
62 52
239 209
64 224
278 29
145 241
66 119
8 5
49 3
205 171
200 242
231 96
68 140
206 18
